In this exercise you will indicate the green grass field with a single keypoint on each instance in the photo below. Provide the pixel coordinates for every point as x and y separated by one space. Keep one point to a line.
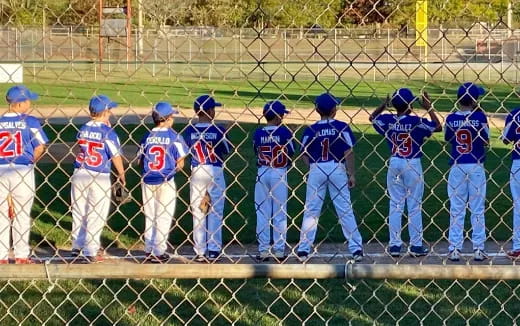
53 219
66 88
257 302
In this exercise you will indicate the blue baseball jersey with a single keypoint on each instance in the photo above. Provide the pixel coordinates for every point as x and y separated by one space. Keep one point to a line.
98 144
512 132
273 146
404 134
468 134
327 140
208 144
20 134
160 150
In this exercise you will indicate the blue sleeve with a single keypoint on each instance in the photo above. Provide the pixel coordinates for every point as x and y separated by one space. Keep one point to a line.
348 136
380 124
427 127
290 143
181 149
484 131
226 144
113 144
509 132
38 136
187 136
306 139
255 142
142 145
448 131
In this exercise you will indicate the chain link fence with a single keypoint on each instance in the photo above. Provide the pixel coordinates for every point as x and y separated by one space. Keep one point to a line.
245 53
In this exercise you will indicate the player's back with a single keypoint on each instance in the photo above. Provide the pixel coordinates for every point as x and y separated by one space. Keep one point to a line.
468 134
512 132
405 134
161 147
207 142
273 146
97 143
20 134
327 141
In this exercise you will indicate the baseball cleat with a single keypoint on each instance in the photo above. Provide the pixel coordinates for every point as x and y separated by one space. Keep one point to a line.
200 259
454 255
262 256
357 255
280 255
514 254
394 251
303 255
417 251
479 255
213 255
161 259
75 252
23 261
4 261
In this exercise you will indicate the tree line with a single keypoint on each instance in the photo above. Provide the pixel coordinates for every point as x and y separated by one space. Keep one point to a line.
260 13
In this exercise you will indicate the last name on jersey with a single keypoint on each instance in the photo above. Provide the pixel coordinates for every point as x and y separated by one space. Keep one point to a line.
158 141
204 135
326 132
13 125
464 123
91 135
400 127
270 139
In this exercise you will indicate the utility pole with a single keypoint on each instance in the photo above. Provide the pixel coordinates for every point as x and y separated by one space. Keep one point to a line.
140 26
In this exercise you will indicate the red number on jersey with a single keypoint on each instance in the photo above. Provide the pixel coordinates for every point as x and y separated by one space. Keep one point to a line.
464 141
6 139
402 144
201 157
325 149
276 157
159 155
518 133
89 153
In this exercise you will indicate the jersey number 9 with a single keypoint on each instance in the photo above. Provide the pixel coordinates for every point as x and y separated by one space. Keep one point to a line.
464 141
6 139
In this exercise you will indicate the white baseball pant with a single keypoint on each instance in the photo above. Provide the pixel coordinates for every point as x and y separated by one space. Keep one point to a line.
18 181
331 175
90 195
271 192
405 184
207 230
514 183
159 207
467 185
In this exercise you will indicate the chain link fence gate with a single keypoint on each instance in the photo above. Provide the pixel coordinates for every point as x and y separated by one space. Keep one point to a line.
246 53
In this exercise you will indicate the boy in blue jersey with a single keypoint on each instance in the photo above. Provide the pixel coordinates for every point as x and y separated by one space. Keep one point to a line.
22 143
467 132
162 154
327 150
273 146
208 148
405 133
511 135
99 147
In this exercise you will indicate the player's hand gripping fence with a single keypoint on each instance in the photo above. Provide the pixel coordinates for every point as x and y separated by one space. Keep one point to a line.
245 53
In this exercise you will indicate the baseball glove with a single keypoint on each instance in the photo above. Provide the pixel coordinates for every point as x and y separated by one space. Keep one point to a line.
205 203
10 203
121 194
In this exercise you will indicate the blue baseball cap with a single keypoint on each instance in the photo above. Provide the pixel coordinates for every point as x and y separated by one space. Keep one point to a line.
403 97
20 93
205 102
469 92
163 109
273 109
326 102
100 103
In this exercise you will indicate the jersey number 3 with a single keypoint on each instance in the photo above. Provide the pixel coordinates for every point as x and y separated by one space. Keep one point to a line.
159 154
6 139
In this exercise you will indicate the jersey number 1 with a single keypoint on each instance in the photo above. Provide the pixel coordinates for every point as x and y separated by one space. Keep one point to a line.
6 139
